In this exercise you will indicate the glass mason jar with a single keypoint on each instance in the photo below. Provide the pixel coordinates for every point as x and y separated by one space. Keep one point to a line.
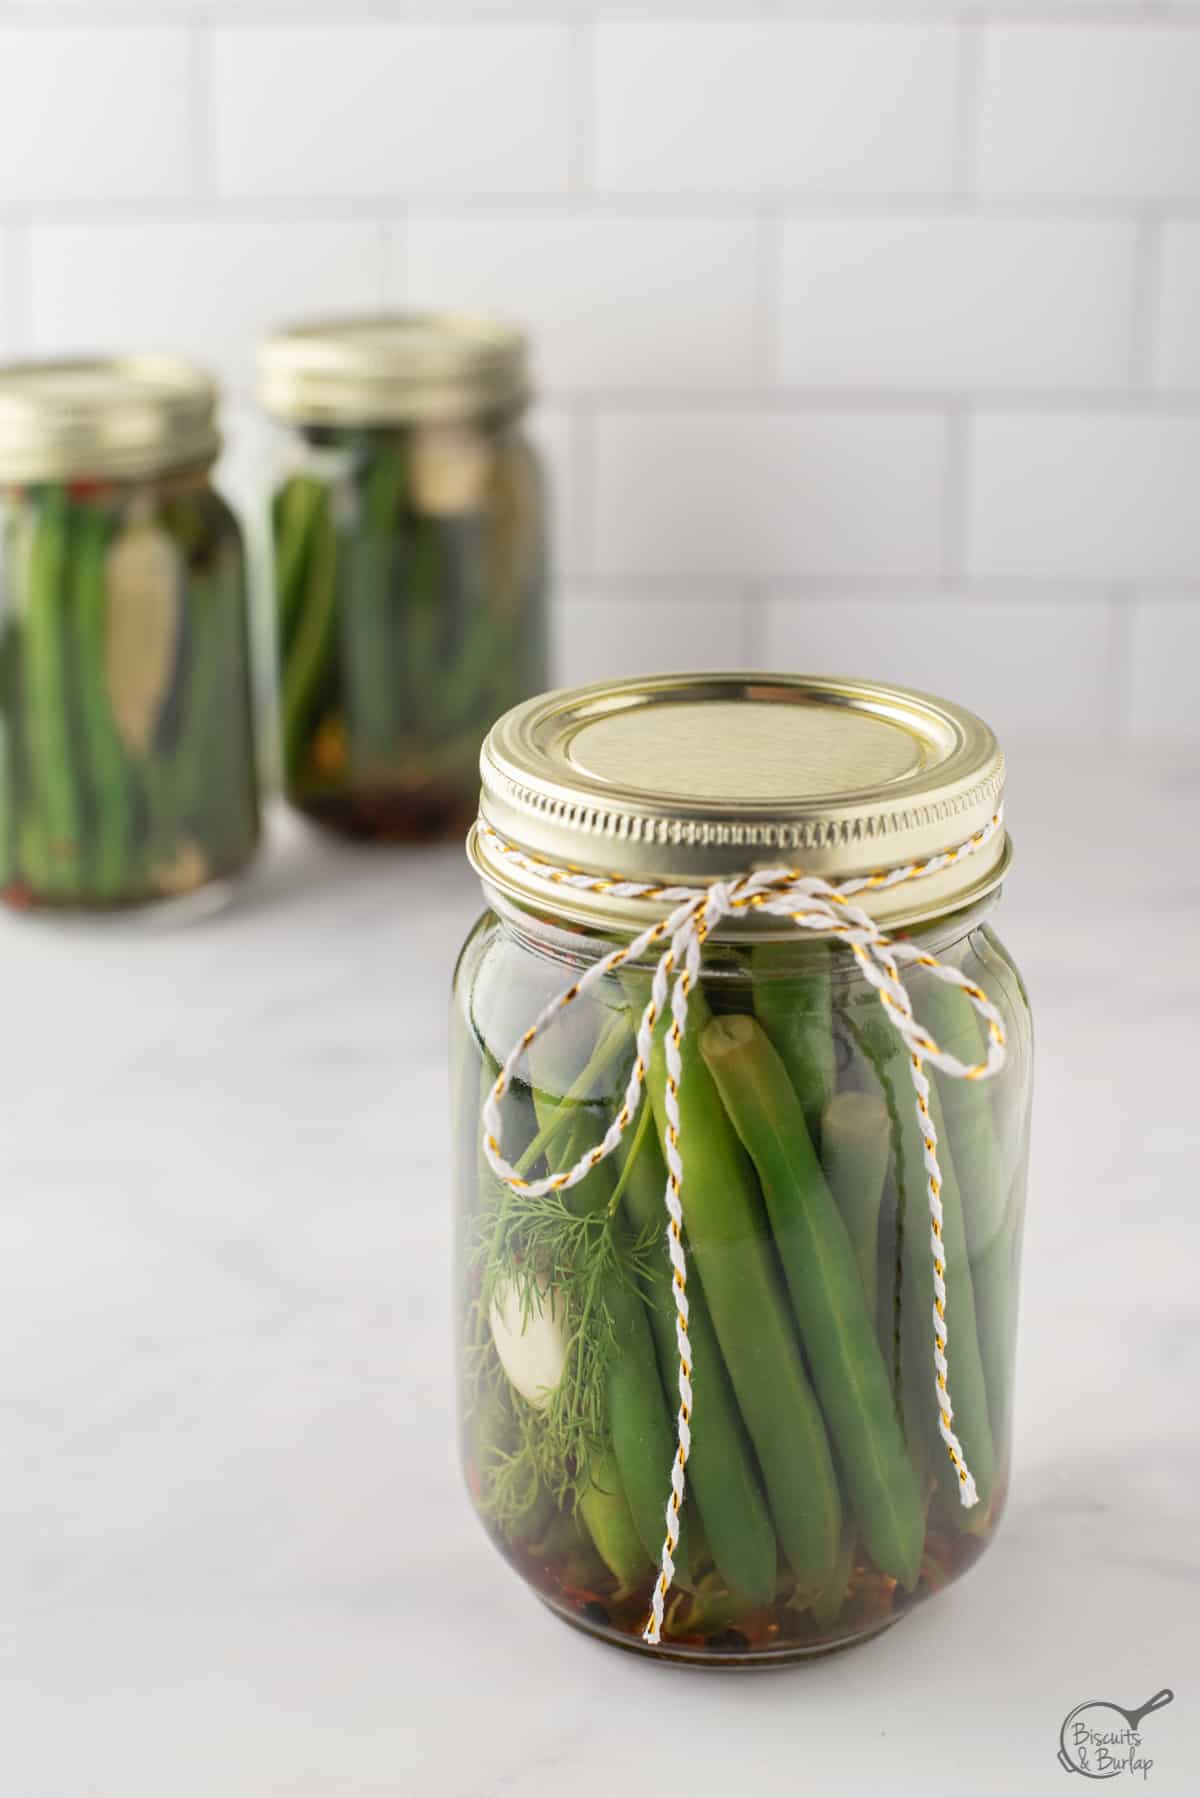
410 564
127 766
821 1500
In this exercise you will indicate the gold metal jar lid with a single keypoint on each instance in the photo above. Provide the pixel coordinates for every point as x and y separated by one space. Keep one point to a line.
407 368
105 419
690 778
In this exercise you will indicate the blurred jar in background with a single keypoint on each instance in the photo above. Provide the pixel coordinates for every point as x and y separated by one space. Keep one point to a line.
127 765
410 563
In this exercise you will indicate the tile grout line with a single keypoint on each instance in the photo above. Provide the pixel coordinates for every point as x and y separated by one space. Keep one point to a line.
393 262
768 318
581 106
753 632
669 205
580 558
968 110
202 115
955 495
1147 281
16 289
1118 698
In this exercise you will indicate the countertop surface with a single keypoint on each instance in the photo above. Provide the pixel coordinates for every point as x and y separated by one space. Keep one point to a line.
235 1558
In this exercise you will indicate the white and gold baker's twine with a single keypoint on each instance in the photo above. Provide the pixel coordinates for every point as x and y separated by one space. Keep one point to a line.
812 904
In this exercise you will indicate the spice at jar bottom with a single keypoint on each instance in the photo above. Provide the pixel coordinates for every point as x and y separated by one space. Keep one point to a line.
820 1501
128 764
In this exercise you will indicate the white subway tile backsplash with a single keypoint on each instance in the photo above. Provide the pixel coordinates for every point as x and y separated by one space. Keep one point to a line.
94 114
879 297
605 636
206 287
611 302
1177 341
1105 496
956 303
381 110
774 106
1106 110
762 493
1164 698
1029 666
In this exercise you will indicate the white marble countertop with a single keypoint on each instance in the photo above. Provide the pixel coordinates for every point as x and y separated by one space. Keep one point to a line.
235 1559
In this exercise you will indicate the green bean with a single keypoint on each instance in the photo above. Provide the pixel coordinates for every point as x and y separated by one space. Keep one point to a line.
827 1293
299 506
720 1473
372 552
968 1384
946 1011
827 1605
855 1146
796 1012
725 1235
477 651
908 1329
232 816
47 702
312 643
108 772
423 583
605 1510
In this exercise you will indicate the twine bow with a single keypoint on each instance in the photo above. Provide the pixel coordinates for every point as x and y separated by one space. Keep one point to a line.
809 903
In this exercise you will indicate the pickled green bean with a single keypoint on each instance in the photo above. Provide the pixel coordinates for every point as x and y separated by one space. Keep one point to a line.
372 552
827 1292
299 505
855 1146
56 813
726 1234
605 1510
971 1128
796 1012
720 1473
109 776
312 642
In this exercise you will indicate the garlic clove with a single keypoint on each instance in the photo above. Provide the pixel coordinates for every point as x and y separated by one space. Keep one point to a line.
533 1349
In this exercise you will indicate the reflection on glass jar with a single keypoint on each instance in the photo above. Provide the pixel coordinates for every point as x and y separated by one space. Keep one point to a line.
821 1502
128 769
410 573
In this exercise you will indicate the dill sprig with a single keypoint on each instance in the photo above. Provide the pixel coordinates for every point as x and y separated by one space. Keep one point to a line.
553 1249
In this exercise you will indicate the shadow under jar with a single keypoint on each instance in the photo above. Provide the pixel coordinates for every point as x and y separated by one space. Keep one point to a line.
127 762
410 564
821 1502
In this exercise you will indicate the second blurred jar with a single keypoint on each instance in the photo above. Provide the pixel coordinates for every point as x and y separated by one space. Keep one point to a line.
127 768
410 563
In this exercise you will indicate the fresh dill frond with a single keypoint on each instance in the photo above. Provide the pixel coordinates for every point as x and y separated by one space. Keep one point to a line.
546 1249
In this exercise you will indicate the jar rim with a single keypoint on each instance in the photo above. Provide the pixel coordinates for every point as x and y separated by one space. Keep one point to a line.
105 418
394 368
685 780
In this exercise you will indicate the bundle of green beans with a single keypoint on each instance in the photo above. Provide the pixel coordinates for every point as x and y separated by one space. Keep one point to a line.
128 768
409 582
819 1492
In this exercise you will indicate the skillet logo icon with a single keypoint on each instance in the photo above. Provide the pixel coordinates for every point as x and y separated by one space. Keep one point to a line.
1100 1739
